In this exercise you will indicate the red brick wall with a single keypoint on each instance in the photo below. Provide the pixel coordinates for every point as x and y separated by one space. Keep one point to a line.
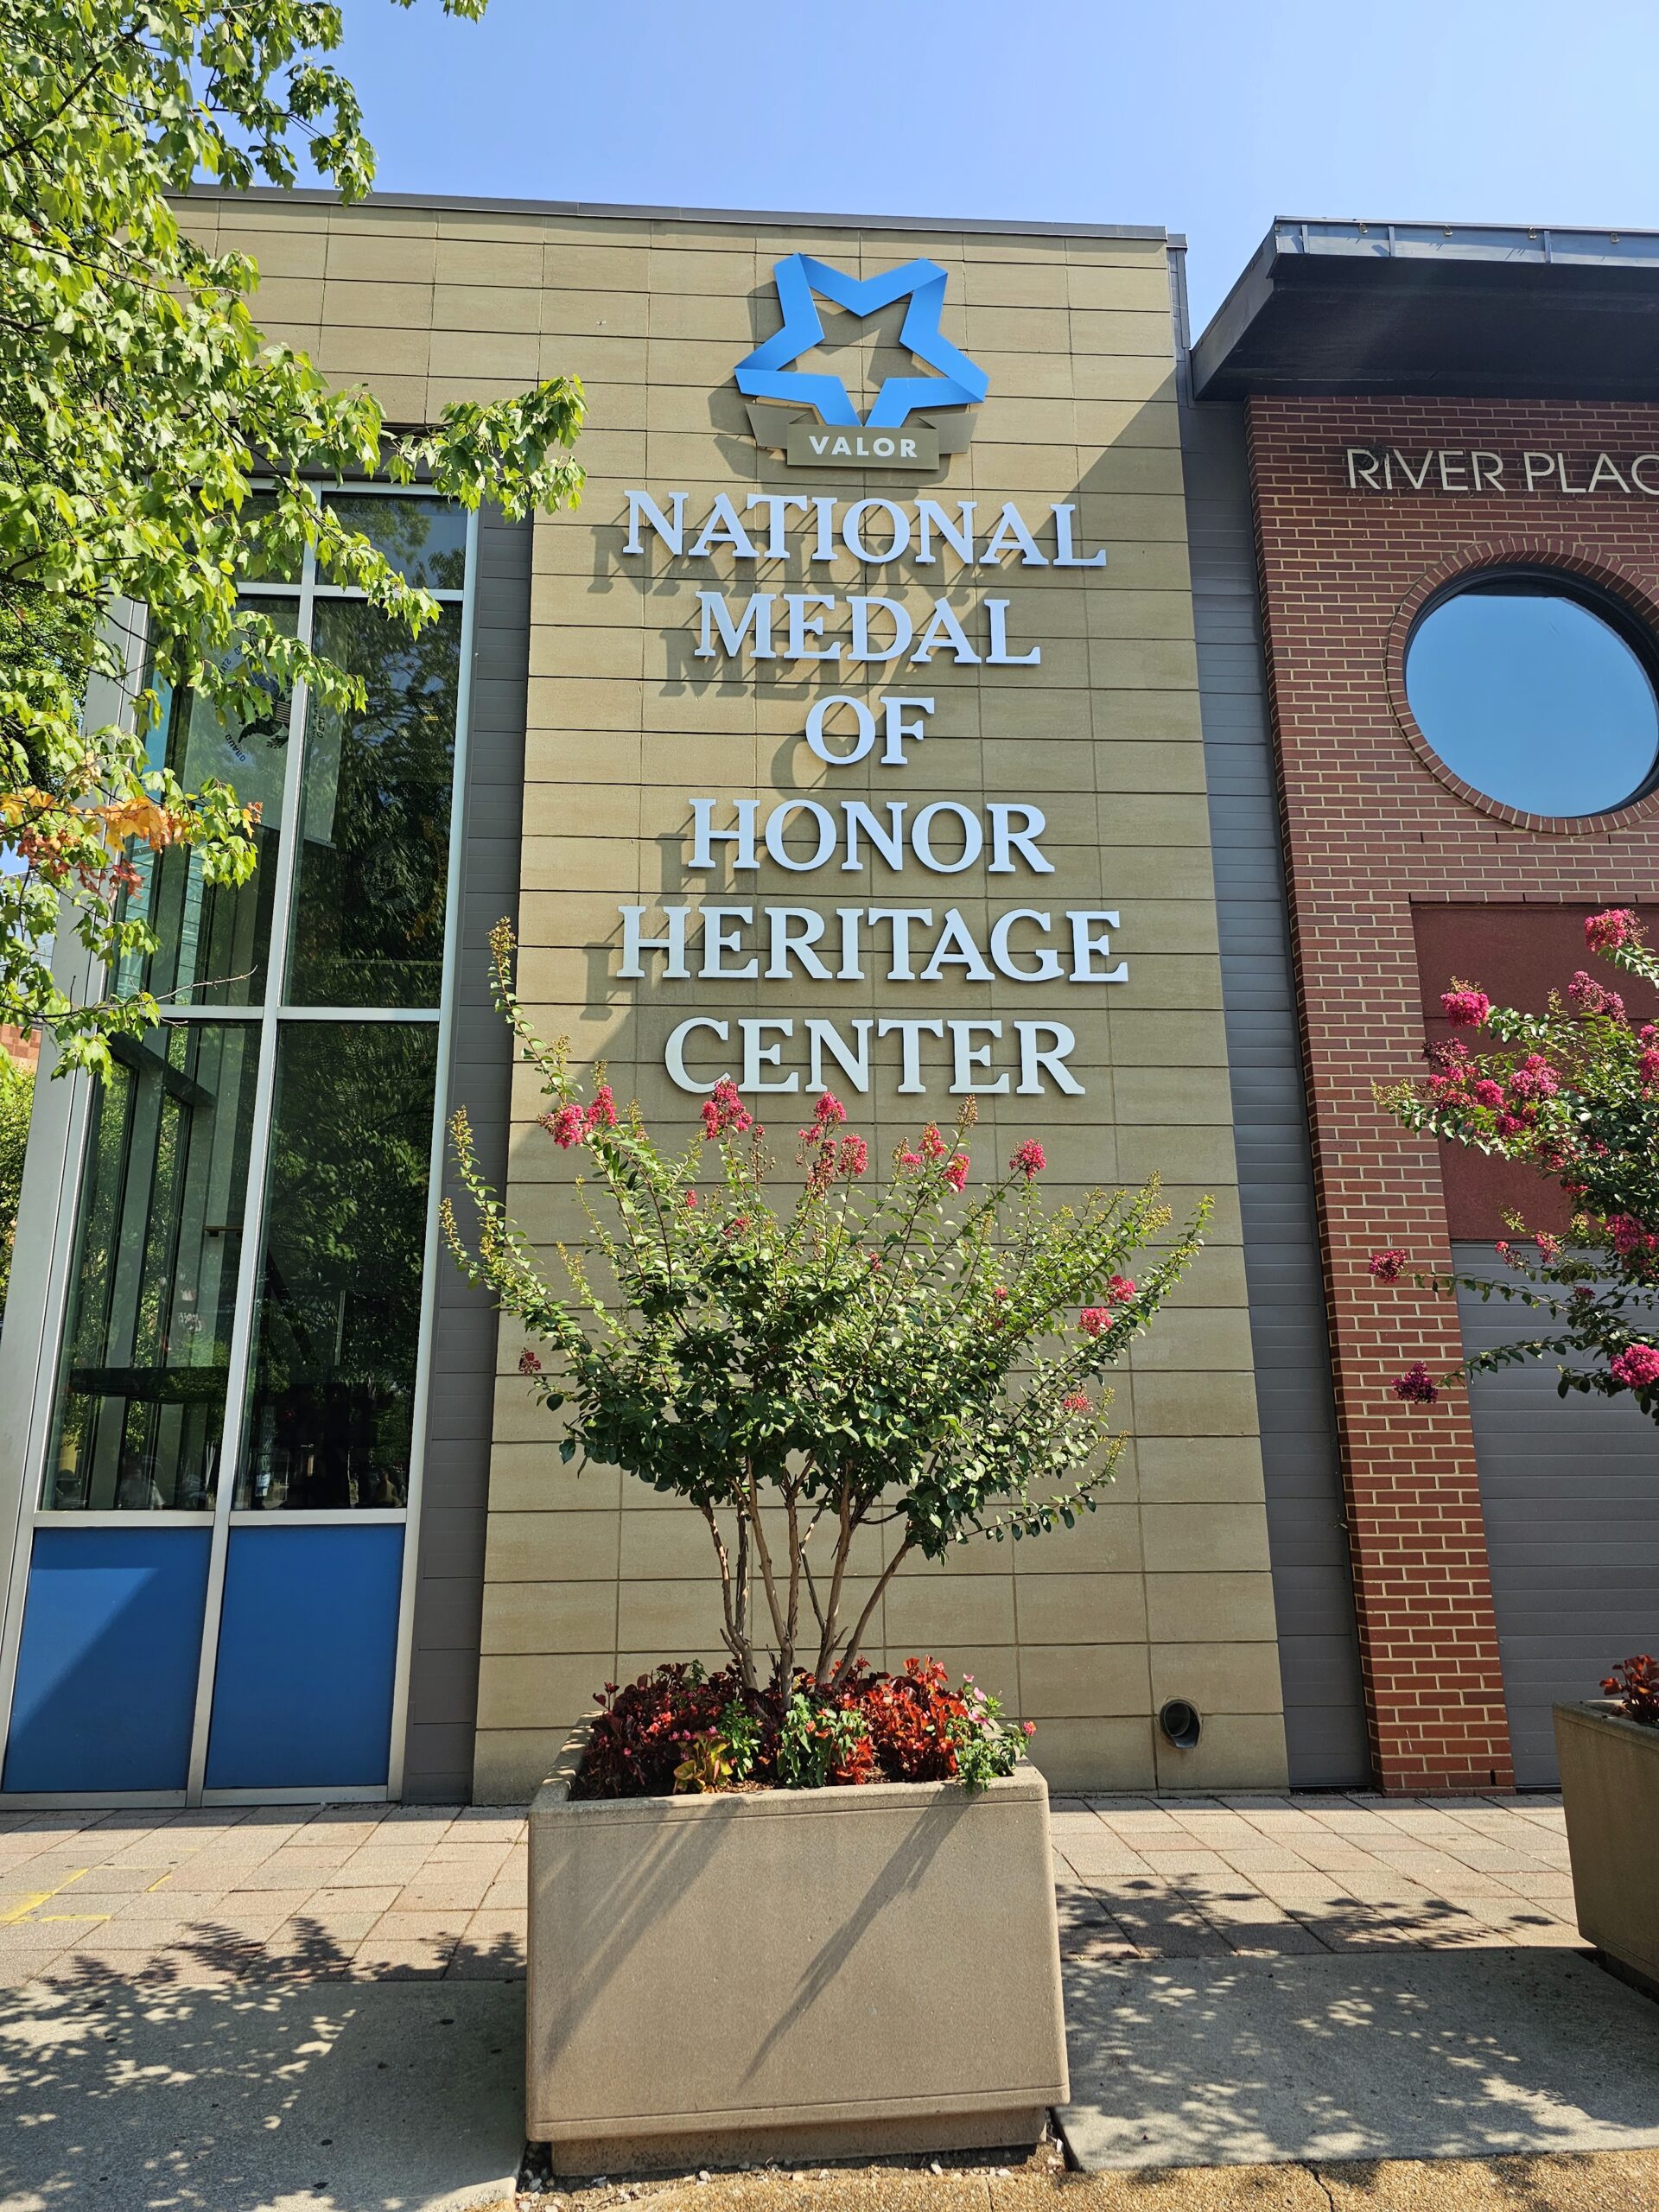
1374 827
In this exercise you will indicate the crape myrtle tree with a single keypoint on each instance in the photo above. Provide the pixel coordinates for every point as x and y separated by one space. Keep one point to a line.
140 408
1574 1093
922 1359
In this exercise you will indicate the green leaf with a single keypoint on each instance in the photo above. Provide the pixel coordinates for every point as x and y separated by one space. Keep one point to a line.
139 405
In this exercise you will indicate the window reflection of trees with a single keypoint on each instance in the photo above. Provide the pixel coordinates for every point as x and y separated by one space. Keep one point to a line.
142 1402
426 539
369 914
214 939
140 1415
331 1421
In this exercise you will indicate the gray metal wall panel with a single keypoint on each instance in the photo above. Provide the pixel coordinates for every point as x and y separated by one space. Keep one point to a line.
1569 1490
1319 1652
449 1601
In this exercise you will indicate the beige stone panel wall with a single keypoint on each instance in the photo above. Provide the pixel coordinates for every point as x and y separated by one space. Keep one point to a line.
1164 1591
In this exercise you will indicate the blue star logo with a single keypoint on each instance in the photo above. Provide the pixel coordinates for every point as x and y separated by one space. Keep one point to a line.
764 373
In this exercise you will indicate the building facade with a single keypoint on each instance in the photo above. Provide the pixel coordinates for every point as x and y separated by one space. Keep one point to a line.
951 683
1451 442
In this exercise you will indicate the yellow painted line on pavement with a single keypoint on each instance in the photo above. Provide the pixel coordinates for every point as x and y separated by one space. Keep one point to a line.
20 1914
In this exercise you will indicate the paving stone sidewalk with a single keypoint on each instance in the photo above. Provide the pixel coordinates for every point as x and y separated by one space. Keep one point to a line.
1248 1876
394 1892
369 1892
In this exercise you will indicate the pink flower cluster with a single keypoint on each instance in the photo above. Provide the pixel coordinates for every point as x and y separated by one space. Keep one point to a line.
1647 1065
571 1124
1076 1402
1615 926
1591 997
1454 1084
825 1115
1029 1159
1387 1265
847 1160
1466 1007
1534 1079
723 1109
1630 1239
935 1148
1416 1386
1637 1367
1094 1321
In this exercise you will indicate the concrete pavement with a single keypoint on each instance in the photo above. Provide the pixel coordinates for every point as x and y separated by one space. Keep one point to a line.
248 2010
131 2096
1298 1876
373 1892
382 1893
1422 2055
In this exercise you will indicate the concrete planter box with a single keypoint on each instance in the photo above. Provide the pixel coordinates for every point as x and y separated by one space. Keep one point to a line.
1610 1787
791 1974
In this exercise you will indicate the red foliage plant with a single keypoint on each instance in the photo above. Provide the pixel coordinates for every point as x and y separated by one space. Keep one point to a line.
910 1727
1634 1683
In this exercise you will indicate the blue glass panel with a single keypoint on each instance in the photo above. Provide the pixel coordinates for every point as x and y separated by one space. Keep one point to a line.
106 1673
307 1647
1531 697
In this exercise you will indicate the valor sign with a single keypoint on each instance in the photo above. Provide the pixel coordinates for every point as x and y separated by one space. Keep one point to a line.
810 418
816 445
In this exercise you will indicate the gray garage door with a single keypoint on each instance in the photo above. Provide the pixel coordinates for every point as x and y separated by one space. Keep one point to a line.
1570 1490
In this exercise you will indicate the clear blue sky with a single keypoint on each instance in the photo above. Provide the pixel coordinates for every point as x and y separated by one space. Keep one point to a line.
1210 118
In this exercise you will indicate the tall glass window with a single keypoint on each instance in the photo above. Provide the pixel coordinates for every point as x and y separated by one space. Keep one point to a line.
142 1391
331 1420
287 1099
368 927
215 937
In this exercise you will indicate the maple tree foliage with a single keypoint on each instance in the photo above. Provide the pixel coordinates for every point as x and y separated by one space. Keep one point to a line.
154 448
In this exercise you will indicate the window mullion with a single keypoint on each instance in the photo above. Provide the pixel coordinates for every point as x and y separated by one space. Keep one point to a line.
432 1258
253 1217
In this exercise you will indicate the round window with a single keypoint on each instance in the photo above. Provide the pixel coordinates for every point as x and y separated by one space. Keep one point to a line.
1537 693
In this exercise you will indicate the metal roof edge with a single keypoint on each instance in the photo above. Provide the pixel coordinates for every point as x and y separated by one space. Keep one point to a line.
1333 225
1250 292
1304 264
468 202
